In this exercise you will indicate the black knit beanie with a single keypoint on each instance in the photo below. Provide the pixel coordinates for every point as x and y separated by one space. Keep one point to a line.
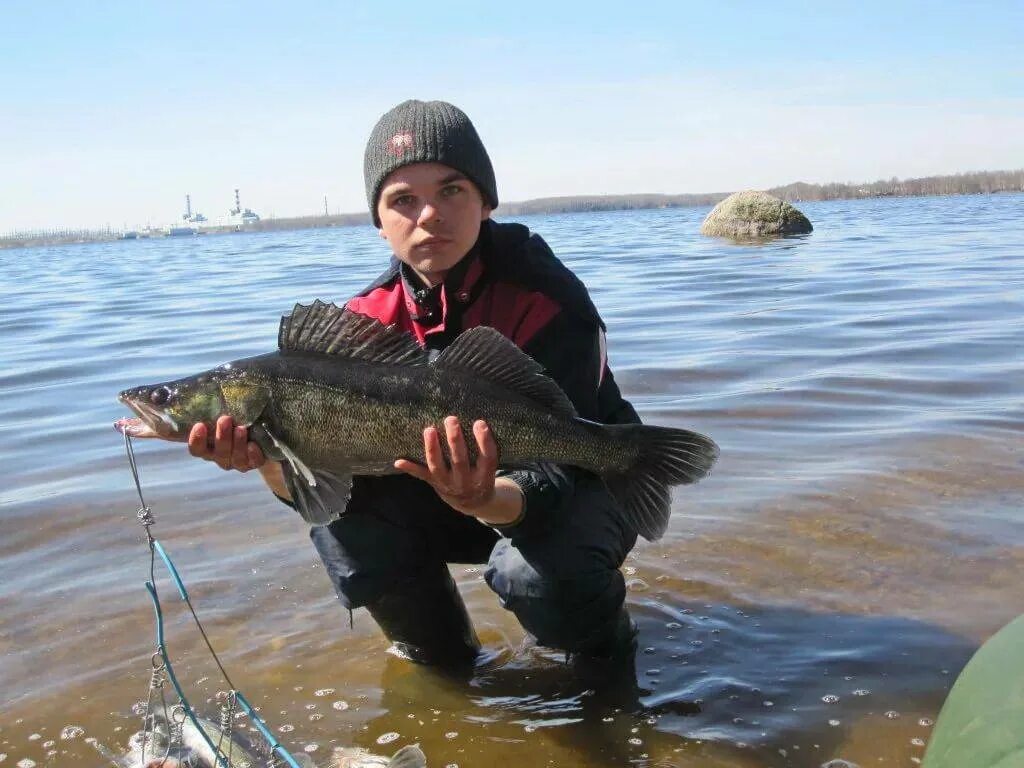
426 132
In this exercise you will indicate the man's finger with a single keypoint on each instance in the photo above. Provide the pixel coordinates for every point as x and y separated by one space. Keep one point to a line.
240 450
433 454
412 468
256 457
222 442
457 450
487 462
197 442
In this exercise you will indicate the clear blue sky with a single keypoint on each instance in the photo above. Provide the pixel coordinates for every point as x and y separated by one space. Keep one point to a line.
110 112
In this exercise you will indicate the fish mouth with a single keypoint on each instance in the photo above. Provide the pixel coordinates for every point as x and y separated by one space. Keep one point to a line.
159 423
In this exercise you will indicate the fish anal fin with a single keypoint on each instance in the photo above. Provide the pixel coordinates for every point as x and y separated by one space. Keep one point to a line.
328 329
484 352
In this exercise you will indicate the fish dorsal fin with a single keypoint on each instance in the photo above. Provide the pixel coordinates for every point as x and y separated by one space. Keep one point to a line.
488 354
328 329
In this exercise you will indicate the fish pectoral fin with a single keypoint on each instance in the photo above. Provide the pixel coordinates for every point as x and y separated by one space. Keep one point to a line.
322 500
319 495
410 756
298 465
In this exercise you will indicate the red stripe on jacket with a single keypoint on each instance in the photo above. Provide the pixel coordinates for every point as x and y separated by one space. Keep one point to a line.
387 304
515 311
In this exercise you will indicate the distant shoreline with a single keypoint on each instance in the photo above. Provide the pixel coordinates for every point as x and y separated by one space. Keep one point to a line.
982 182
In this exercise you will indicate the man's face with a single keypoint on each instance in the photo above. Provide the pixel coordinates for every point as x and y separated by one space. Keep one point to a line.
430 214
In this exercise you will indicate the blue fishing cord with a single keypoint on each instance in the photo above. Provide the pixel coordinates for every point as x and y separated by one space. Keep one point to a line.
174 678
256 719
146 518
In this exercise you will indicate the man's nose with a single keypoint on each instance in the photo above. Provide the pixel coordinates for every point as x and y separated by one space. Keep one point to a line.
429 213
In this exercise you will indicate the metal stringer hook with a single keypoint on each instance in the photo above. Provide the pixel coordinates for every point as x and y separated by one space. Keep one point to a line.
157 678
227 700
144 513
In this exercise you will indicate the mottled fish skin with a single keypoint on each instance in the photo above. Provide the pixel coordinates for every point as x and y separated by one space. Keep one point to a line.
364 416
144 747
237 747
155 747
346 395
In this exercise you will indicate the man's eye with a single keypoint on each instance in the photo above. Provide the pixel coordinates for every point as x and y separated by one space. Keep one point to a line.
450 190
402 200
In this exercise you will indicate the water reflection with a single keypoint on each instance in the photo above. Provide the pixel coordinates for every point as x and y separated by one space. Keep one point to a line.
711 684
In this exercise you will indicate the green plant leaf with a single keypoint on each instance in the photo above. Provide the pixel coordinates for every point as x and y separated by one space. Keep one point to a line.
982 722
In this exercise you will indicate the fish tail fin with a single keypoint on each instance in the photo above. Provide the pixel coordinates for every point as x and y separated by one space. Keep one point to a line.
665 457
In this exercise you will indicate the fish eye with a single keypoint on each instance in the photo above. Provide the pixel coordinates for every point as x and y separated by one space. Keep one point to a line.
160 396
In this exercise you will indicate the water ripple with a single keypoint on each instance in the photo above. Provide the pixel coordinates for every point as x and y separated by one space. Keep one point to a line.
863 382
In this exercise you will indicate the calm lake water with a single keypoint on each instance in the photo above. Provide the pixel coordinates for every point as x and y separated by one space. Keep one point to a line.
814 598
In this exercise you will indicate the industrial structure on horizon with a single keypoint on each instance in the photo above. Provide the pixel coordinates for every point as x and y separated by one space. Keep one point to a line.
194 222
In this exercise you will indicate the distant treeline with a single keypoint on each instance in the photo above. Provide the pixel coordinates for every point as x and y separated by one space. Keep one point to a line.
981 182
578 204
30 237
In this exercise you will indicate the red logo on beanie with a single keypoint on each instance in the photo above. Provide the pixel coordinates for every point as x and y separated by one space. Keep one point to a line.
399 143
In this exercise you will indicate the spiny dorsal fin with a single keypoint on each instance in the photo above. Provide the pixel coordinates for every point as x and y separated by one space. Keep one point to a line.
486 353
332 330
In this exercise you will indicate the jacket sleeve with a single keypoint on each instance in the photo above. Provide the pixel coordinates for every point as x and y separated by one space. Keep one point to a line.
571 351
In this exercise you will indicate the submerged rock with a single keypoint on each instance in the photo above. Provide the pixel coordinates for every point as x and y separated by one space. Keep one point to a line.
752 214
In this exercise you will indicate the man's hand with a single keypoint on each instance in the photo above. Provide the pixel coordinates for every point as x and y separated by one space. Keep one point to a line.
229 447
472 490
232 449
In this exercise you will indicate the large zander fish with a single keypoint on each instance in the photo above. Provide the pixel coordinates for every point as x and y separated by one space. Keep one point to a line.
346 395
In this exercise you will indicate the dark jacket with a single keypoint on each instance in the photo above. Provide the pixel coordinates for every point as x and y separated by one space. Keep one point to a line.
512 282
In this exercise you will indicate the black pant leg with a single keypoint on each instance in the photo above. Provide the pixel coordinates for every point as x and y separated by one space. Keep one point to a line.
389 553
565 586
396 528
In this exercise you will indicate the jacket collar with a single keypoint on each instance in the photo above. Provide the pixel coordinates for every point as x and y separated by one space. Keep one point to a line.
429 305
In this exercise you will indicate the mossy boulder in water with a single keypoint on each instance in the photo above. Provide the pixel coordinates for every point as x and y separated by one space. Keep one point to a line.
751 214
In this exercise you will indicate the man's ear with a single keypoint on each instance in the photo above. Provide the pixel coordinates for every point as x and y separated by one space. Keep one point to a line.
485 214
382 235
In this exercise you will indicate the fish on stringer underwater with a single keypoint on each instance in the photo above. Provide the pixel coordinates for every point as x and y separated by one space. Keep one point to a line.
156 747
